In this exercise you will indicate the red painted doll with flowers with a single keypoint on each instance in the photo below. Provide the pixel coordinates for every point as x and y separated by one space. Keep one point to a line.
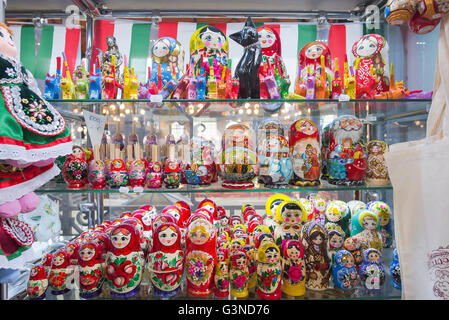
92 267
239 274
294 268
269 271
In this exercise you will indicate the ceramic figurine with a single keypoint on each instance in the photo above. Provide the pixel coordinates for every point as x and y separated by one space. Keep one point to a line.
124 261
314 240
81 82
385 221
37 283
221 279
310 59
395 271
269 271
293 268
372 272
355 248
59 273
344 273
166 261
290 216
238 163
239 275
305 150
97 177
92 268
338 212
137 173
336 237
167 53
377 171
346 154
200 257
201 167
371 51
74 170
319 207
118 174
366 229
273 153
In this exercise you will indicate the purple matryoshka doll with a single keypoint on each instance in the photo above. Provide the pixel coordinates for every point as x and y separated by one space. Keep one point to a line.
372 272
37 283
346 153
92 268
305 153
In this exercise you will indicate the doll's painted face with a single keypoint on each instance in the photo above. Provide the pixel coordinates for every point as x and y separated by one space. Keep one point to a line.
87 253
70 249
161 48
224 269
121 239
241 261
318 239
209 207
293 253
333 215
348 261
292 215
199 236
315 51
224 221
336 241
366 47
369 223
175 214
373 257
78 152
375 148
307 128
7 46
320 205
238 233
236 245
220 256
156 167
58 260
266 38
168 236
213 39
384 219
146 219
34 271
272 255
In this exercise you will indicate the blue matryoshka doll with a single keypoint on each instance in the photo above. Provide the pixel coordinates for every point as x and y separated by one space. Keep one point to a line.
395 271
344 273
372 272
168 53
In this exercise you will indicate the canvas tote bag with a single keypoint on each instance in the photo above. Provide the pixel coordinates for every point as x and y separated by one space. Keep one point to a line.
419 172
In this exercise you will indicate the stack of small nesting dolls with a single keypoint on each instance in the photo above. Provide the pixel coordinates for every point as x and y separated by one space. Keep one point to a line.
301 244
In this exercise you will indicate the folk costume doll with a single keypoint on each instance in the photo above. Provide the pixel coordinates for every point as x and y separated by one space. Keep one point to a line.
92 269
314 240
269 271
385 221
294 268
366 229
37 283
338 212
167 57
201 256
166 261
377 171
305 151
346 153
291 215
395 271
239 275
352 245
270 209
59 273
124 261
251 258
336 237
209 42
319 207
221 279
344 273
372 272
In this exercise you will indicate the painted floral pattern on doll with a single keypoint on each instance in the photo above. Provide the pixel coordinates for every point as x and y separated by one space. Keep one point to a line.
365 228
372 272
92 270
75 169
269 271
294 268
344 273
59 273
239 274
377 171
37 283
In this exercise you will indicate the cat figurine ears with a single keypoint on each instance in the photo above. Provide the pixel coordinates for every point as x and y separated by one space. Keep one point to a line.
248 35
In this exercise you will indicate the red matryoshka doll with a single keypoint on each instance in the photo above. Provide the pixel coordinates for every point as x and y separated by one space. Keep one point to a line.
136 223
154 175
74 170
371 53
223 219
47 260
185 214
291 216
221 279
124 261
251 227
235 220
377 171
71 248
118 174
166 261
173 210
92 268
239 274
238 163
145 219
137 173
269 271
294 268
37 283
210 206
251 259
97 176
172 174
314 240
201 256
310 60
305 153
60 272
346 153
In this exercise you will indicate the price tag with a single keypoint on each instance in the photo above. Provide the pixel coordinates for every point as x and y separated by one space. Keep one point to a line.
95 126
371 118
138 189
156 98
123 190
343 98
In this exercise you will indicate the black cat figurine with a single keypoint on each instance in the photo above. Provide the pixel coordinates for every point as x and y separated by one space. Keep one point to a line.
247 70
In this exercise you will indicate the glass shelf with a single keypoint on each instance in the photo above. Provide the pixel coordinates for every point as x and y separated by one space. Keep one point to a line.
53 187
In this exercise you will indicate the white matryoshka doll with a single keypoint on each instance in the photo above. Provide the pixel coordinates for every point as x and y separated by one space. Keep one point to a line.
58 278
201 255
124 261
344 273
269 271
318 266
377 171
166 262
346 153
365 228
371 51
167 57
273 153
238 162
92 268
291 215
305 153
37 283
338 212
293 268
239 274
372 272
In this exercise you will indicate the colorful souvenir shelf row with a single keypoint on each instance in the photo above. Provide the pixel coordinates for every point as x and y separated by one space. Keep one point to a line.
213 188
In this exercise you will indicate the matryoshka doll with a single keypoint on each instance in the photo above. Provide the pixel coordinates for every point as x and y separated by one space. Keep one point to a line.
167 57
210 206
291 216
238 163
97 176
92 267
209 42
377 171
37 283
201 168
372 272
60 272
294 268
118 174
314 240
346 153
395 271
366 229
200 257
251 259
137 173
239 274
305 152
166 261
344 273
371 51
172 173
270 209
352 245
355 205
338 212
74 170
221 279
269 271
124 261
319 207
385 221
273 154
336 238
154 175
71 248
